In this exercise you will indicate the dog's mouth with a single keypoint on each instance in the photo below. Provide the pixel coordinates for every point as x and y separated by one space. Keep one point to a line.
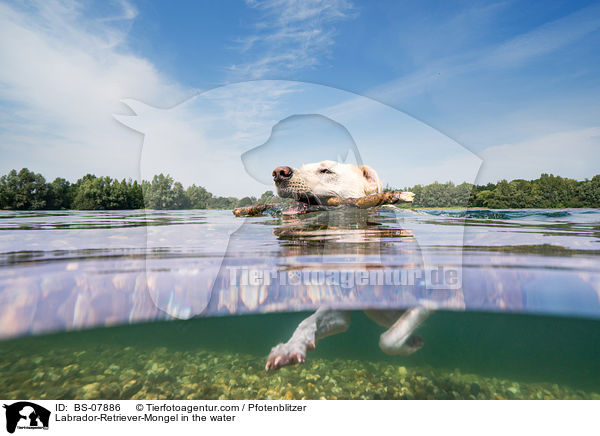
302 197
311 199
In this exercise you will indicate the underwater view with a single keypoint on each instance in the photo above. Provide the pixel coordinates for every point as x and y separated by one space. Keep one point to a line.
188 304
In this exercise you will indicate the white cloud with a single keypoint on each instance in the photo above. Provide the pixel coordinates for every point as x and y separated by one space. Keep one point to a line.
545 39
520 49
63 74
291 35
128 12
573 154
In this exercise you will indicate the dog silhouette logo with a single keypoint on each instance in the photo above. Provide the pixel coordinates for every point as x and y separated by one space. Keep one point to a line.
26 415
232 137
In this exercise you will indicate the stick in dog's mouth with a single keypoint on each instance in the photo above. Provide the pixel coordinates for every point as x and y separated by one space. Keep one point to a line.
311 199
369 201
325 185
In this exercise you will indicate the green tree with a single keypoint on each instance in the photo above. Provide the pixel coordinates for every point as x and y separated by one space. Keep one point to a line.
246 201
198 197
553 191
135 196
267 197
222 202
59 194
462 194
162 193
588 192
483 198
93 193
24 190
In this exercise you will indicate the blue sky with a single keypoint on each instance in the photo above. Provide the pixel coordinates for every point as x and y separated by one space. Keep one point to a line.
516 83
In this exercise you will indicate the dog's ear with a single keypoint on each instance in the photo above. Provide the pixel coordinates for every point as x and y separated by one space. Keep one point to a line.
373 184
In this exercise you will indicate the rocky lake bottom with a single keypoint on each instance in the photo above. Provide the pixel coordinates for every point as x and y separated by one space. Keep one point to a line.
112 372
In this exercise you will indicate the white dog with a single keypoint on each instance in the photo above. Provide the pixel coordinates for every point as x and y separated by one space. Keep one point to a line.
314 184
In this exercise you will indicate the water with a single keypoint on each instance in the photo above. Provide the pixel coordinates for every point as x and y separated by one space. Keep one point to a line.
517 294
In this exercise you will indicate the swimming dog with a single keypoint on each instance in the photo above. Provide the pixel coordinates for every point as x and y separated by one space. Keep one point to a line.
314 184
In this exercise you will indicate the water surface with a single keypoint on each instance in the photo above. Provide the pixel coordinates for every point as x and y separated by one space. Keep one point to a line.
65 270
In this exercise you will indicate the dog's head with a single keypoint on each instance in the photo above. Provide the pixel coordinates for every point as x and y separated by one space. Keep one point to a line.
316 182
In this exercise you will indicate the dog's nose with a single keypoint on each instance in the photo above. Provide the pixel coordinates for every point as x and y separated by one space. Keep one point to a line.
282 173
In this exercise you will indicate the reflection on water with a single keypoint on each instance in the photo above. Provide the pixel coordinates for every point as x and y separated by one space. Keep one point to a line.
64 270
68 270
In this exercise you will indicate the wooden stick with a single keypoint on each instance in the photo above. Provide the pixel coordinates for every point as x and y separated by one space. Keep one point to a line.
374 200
254 210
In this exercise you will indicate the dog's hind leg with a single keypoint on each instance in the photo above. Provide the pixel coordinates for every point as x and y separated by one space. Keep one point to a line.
399 338
324 322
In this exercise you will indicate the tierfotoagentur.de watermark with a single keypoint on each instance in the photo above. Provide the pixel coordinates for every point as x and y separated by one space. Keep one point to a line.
440 277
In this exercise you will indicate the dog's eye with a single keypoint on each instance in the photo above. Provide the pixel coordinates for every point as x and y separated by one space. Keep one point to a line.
326 171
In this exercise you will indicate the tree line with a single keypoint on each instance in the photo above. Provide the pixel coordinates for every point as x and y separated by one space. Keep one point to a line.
27 190
546 192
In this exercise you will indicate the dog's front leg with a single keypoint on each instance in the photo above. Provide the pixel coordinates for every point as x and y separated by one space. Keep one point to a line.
322 323
399 338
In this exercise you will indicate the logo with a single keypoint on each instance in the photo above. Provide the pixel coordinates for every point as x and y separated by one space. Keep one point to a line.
26 415
235 135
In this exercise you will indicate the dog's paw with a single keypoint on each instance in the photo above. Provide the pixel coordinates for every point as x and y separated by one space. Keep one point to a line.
413 344
286 354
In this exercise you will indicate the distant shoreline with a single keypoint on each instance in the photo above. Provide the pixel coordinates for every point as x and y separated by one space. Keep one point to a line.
27 190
